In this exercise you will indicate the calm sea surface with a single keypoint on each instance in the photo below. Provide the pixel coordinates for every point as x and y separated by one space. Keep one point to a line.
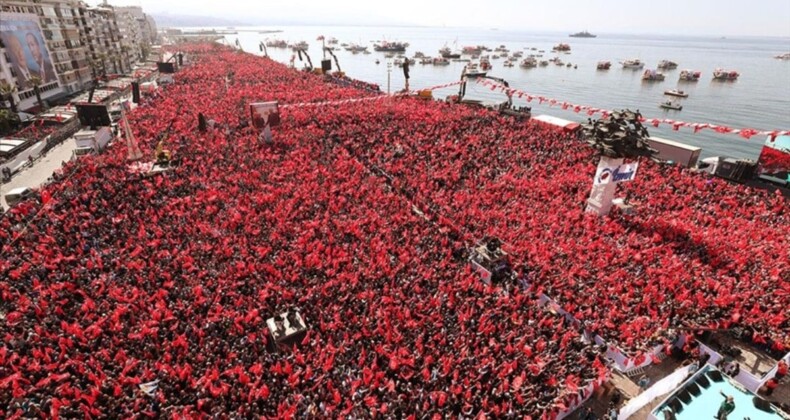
759 99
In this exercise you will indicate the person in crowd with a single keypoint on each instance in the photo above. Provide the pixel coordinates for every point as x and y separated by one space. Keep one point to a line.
726 408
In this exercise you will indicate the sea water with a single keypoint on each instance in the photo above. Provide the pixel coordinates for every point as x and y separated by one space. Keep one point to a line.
759 99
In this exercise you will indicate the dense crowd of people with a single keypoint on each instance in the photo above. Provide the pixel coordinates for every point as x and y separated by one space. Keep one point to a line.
357 216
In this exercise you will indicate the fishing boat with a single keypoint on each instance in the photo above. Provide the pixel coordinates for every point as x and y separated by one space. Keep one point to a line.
676 93
604 65
355 48
301 45
671 105
276 43
389 46
561 47
484 63
332 41
667 65
529 63
543 63
400 60
582 34
652 76
634 63
568 65
495 57
721 74
419 54
690 76
785 56
441 61
472 50
446 52
518 54
502 49
508 63
426 60
471 70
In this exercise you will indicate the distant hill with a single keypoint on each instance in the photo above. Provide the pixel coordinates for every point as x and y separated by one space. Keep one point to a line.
168 20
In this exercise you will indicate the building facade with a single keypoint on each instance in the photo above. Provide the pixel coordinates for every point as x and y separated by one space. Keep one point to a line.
78 43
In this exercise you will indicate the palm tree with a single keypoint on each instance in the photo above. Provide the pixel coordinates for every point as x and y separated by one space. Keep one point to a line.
7 93
36 82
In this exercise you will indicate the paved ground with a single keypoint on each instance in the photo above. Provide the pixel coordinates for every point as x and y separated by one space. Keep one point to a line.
41 170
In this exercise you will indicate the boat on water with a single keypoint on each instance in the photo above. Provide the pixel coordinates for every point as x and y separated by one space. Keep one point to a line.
785 56
400 60
543 63
518 54
652 76
508 63
276 43
569 65
419 54
332 41
472 50
671 105
377 61
561 47
485 64
721 74
446 52
441 61
582 34
604 65
390 46
355 48
528 63
471 70
667 65
676 93
426 60
690 76
301 45
634 63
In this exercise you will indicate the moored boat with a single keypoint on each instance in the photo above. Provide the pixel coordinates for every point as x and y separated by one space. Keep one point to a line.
671 105
446 52
667 65
561 47
721 74
528 63
676 93
508 63
389 46
485 64
690 75
785 56
604 65
652 76
301 45
441 61
634 63
471 70
276 43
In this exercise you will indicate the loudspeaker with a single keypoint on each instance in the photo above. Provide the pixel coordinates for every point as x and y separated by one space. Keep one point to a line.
762 404
180 59
326 65
166 67
136 92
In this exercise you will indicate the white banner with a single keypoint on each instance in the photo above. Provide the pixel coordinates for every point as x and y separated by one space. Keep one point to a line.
607 174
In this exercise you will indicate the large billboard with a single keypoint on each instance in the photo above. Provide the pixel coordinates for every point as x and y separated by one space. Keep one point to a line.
24 43
775 159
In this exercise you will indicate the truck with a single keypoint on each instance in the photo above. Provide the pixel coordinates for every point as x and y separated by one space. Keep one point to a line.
672 151
92 141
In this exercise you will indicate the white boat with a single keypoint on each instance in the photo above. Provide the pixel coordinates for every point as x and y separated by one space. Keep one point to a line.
671 105
652 76
529 63
667 65
676 93
690 76
785 56
633 64
721 74
441 61
471 70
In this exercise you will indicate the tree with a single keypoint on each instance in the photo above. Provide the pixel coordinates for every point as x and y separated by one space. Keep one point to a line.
7 94
36 82
9 121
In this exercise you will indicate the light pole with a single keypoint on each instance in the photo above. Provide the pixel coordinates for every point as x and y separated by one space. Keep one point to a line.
389 73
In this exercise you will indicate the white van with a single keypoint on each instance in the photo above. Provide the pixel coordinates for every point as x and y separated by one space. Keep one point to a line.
16 195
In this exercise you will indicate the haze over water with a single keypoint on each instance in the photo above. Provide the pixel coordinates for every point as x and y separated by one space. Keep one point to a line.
759 99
